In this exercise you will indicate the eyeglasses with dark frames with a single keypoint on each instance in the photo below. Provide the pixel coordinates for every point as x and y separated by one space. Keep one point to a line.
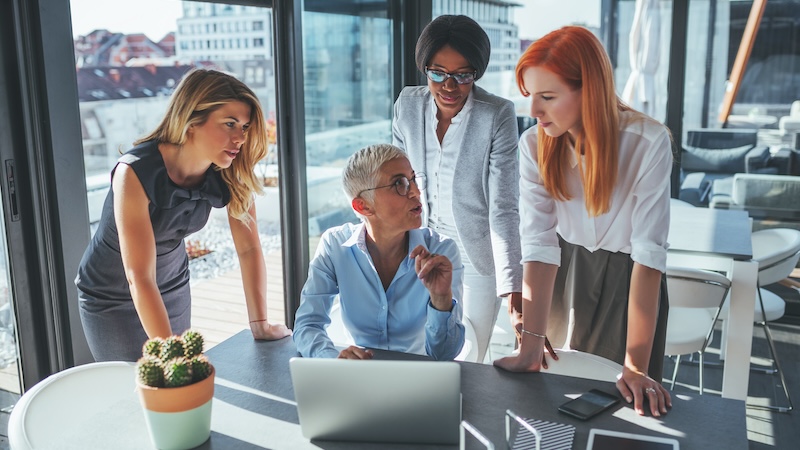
402 185
438 76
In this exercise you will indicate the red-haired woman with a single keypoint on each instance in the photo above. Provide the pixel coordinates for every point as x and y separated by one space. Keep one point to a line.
594 208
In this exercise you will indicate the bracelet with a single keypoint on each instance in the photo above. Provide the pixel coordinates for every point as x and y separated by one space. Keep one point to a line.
259 320
534 334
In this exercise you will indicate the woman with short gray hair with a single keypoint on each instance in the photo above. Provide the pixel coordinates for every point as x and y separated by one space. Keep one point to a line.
398 285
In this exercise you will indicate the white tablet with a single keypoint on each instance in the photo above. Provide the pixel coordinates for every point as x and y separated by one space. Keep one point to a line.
615 440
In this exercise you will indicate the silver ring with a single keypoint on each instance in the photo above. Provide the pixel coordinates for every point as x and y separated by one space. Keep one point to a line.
650 391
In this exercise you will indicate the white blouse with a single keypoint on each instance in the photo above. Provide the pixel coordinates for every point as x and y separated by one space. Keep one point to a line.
440 168
638 220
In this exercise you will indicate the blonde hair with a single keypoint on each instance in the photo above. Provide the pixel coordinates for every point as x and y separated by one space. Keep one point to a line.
576 56
201 92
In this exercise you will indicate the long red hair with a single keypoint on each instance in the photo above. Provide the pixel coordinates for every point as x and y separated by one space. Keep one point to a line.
576 56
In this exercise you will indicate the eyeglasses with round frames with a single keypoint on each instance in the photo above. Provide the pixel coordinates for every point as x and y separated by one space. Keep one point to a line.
402 185
437 76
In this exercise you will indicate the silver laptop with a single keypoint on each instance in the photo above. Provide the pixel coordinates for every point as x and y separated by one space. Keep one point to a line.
378 401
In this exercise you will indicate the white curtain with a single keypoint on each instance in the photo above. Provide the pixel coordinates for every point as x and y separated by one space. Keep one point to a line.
644 55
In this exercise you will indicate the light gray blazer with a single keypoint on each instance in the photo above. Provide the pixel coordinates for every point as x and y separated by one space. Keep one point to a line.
486 185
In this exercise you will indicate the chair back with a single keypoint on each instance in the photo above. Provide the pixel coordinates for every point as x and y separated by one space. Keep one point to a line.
695 288
777 251
583 365
336 330
469 352
696 298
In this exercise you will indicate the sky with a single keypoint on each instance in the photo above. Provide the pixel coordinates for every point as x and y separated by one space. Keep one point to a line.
534 18
89 15
538 17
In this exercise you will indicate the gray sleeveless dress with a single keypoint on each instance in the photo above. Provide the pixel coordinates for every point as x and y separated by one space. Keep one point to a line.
109 319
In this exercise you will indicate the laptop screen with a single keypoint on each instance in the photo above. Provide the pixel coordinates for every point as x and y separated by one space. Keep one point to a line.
378 401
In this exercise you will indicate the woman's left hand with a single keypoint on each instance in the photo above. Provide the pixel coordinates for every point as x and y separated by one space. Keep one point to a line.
269 332
637 387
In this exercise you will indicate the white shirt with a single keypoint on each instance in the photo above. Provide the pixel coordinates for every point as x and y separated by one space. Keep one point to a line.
441 164
638 220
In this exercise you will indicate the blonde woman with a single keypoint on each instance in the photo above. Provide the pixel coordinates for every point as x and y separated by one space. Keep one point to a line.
594 206
133 279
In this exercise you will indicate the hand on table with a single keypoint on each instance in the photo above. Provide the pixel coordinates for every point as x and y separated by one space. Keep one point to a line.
528 361
355 352
263 330
637 387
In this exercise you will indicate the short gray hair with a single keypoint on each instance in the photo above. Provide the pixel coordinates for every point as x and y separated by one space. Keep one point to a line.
362 169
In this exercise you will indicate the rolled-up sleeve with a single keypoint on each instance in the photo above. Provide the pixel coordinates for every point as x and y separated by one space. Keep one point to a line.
536 207
444 330
316 300
650 217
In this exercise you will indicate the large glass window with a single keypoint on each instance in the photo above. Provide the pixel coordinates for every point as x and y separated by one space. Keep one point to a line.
347 47
127 67
771 80
750 117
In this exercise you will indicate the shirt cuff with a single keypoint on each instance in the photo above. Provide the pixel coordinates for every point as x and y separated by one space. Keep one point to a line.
441 319
650 255
538 253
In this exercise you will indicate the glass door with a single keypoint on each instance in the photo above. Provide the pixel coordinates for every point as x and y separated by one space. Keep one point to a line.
348 74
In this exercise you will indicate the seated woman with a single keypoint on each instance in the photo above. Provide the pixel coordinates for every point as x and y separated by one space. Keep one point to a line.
399 285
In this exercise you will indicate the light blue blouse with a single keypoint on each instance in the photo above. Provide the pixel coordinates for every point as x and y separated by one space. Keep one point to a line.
400 318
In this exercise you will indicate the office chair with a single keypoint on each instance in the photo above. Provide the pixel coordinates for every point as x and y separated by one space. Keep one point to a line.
696 298
578 364
777 251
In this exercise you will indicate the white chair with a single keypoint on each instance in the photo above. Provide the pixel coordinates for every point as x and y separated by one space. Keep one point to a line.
583 365
777 251
695 301
469 352
791 123
336 330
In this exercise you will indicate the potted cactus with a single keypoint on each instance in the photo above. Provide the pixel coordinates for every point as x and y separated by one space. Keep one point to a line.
175 382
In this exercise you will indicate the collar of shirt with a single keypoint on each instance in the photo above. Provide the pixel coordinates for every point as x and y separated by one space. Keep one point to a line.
462 115
359 239
573 160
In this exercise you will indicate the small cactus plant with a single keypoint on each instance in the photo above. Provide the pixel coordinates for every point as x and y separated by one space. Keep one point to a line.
201 368
174 361
172 348
150 371
177 372
153 347
192 343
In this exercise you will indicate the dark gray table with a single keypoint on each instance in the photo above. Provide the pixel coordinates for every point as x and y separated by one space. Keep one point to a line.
718 239
253 404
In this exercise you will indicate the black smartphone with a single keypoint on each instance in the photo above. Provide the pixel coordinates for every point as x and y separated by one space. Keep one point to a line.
589 404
